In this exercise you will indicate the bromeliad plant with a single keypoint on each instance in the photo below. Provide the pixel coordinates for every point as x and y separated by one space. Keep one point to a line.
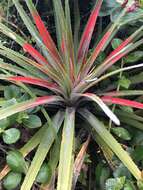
66 73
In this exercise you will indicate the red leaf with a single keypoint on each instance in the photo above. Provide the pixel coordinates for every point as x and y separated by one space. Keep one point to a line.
43 100
120 47
87 34
45 34
97 51
99 46
122 102
34 53
34 81
108 64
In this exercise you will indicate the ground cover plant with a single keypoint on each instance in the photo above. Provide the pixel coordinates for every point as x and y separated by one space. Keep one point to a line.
60 82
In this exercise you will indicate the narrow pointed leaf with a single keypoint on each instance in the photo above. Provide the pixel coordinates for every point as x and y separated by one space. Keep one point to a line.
88 31
27 21
34 53
45 35
33 31
41 153
123 102
97 50
123 93
65 172
112 143
126 42
34 81
79 161
112 60
8 111
103 106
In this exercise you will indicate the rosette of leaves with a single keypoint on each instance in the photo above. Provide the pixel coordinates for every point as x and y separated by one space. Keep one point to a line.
68 74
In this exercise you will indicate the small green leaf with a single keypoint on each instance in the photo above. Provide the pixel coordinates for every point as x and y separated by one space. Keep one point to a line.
21 116
138 153
116 42
101 57
122 133
16 161
11 136
12 180
124 82
108 7
12 91
32 122
12 118
44 174
101 175
134 57
120 171
4 123
115 183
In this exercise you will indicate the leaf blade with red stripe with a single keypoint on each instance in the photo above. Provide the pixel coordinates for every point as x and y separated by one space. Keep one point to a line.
123 102
88 31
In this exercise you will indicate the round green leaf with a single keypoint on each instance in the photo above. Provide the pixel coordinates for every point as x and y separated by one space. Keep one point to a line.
116 42
12 180
12 91
115 183
11 136
32 122
16 161
44 174
121 133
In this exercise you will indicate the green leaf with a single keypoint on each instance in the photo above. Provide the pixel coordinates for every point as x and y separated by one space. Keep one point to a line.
21 116
111 142
101 175
16 162
44 174
4 123
12 180
120 171
41 153
128 18
116 42
25 105
124 82
32 122
115 183
121 133
11 136
108 7
138 153
134 57
65 173
12 91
